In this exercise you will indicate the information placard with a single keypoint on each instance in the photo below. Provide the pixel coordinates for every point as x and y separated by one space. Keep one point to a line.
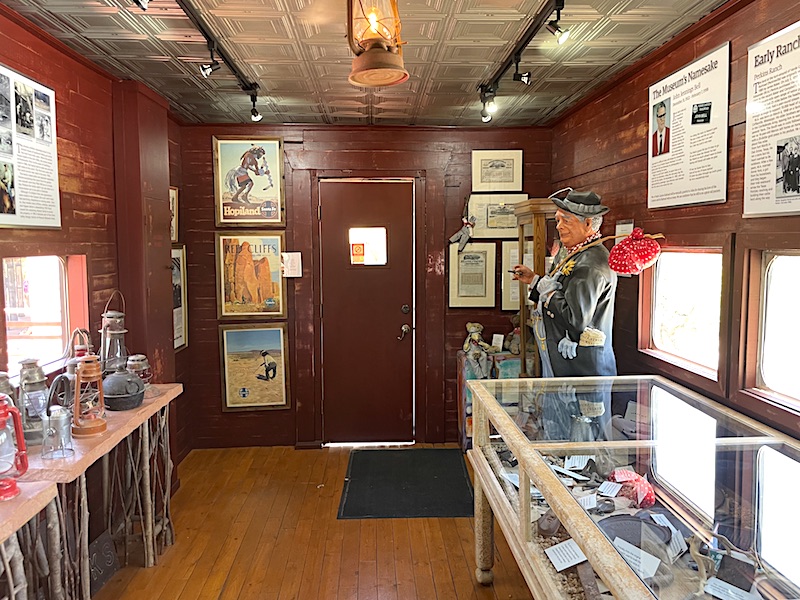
687 144
28 157
772 141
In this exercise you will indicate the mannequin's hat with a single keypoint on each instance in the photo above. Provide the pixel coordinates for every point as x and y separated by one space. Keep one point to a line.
583 204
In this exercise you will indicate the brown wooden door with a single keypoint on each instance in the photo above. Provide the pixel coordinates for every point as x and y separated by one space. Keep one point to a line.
367 373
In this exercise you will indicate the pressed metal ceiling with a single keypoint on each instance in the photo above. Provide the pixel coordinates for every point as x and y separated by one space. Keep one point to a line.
296 51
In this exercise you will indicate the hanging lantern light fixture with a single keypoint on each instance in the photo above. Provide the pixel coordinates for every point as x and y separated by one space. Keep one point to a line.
373 32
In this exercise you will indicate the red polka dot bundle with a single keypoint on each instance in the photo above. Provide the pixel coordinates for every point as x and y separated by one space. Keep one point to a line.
634 487
635 253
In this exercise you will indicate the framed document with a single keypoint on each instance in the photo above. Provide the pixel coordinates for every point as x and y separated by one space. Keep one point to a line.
248 181
472 275
173 214
255 370
494 215
180 329
510 288
497 170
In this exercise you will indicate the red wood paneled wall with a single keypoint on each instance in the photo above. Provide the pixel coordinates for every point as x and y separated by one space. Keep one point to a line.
85 161
603 146
441 160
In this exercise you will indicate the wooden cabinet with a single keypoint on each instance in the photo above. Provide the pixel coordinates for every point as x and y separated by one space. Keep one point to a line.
532 216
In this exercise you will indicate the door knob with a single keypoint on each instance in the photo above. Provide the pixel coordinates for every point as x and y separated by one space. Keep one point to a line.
403 331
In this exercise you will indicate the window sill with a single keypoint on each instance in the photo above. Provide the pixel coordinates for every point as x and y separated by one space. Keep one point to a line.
686 365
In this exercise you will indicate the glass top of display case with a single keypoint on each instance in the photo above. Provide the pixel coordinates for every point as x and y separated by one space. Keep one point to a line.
693 481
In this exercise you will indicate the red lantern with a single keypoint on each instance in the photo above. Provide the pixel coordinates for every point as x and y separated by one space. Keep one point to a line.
13 460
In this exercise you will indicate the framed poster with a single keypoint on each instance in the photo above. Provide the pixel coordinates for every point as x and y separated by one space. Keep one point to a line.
249 282
173 214
248 181
472 274
255 370
497 170
510 288
180 325
494 215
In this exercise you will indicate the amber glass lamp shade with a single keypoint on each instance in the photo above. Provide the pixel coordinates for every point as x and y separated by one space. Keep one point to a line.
373 32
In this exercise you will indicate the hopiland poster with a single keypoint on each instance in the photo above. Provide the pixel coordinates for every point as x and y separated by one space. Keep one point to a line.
29 194
772 141
687 143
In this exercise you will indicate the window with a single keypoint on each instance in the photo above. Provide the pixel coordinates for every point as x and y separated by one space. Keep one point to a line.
367 246
685 318
779 316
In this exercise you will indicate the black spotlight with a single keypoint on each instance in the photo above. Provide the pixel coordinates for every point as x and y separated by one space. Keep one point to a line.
255 116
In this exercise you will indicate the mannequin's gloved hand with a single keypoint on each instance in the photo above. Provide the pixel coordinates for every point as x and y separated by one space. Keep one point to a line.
567 347
547 284
566 393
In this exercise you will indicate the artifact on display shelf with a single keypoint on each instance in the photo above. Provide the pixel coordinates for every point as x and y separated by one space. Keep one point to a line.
29 195
638 471
687 142
772 135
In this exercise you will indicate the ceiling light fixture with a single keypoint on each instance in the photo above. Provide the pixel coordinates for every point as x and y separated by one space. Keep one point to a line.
486 116
539 21
523 77
553 27
487 94
142 3
373 32
207 69
255 116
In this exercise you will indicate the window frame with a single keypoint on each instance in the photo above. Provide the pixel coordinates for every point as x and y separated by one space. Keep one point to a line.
771 408
666 364
76 257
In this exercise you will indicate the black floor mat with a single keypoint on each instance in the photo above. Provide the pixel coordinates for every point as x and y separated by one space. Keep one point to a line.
399 484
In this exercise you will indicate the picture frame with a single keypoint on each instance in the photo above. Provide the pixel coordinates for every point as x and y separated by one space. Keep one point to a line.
180 313
472 275
173 214
497 170
494 215
249 279
509 288
254 367
248 181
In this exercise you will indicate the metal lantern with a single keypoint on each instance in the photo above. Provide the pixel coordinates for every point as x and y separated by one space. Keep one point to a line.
88 416
13 457
113 352
33 395
373 32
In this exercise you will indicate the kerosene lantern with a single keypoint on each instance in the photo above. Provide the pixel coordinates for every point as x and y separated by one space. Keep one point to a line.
6 387
89 408
13 459
112 337
33 394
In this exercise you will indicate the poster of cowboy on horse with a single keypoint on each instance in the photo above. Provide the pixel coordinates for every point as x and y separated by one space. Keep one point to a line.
248 181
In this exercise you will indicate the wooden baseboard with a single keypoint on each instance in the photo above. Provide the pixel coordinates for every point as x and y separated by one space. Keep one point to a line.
308 445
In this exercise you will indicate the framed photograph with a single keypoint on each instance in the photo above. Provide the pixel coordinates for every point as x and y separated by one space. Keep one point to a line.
509 288
497 170
494 215
180 314
472 275
248 181
255 369
249 281
173 214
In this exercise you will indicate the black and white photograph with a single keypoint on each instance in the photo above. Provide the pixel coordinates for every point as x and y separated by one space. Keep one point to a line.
41 100
7 192
44 128
180 327
23 95
5 101
6 146
787 167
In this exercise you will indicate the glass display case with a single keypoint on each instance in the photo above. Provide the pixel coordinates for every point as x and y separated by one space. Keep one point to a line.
667 494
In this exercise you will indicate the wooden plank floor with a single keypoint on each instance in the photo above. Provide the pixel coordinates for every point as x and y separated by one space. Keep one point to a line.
260 523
